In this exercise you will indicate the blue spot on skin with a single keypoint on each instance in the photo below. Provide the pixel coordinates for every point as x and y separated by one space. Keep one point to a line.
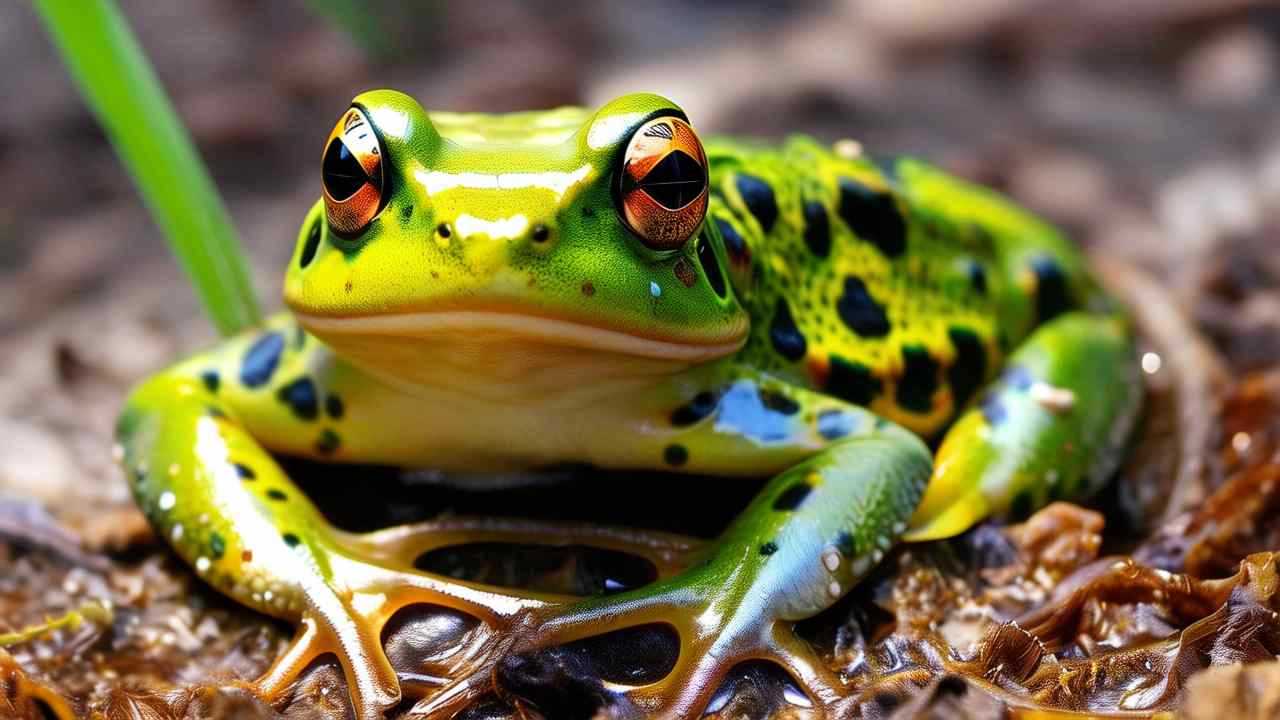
758 196
655 289
260 361
1018 377
742 410
301 396
835 424
993 410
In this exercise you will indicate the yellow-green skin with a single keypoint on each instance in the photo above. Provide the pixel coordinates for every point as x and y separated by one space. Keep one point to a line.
498 314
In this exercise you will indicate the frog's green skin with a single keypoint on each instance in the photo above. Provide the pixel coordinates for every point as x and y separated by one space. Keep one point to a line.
867 309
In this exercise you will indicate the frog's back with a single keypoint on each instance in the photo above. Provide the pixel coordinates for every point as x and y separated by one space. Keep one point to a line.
898 287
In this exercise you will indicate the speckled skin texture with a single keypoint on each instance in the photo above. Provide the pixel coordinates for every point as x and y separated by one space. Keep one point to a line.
829 318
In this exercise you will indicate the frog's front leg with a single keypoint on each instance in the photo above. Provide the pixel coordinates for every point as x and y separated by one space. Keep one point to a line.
220 499
807 538
1054 425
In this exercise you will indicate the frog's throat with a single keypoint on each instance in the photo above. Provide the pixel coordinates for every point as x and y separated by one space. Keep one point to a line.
471 325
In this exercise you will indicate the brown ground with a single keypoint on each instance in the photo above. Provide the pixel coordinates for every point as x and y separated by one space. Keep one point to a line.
1150 128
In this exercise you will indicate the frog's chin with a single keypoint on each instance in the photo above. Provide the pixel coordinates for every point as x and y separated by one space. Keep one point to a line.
427 348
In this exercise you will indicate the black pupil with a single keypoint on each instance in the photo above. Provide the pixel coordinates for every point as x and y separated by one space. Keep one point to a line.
343 174
675 181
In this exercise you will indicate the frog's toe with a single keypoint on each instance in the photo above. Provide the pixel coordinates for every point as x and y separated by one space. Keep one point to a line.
662 653
354 598
349 598
371 680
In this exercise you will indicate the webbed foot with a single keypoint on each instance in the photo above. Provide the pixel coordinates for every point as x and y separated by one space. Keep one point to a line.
365 580
665 649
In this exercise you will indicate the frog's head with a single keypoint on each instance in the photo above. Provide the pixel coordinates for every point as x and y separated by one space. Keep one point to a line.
539 236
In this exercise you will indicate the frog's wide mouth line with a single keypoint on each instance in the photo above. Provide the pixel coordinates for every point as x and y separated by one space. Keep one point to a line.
553 331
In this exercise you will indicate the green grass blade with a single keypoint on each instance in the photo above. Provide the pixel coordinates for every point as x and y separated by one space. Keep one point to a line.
121 88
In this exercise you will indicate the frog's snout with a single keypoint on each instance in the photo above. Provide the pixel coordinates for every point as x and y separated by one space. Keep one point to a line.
471 232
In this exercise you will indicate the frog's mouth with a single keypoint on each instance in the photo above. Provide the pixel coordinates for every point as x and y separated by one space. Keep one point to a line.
464 327
510 357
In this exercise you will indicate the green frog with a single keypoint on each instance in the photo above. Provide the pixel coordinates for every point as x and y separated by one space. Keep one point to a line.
896 352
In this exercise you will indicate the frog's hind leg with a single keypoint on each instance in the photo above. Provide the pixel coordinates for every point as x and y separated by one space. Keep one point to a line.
1054 425
229 510
807 538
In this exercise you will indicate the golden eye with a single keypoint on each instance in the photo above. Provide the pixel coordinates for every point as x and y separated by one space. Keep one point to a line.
354 184
662 192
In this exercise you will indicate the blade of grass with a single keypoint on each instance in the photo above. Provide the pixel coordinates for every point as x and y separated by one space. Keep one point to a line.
121 88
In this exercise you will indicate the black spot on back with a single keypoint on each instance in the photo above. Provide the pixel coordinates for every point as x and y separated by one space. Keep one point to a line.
758 196
852 381
290 539
734 244
702 406
860 311
919 379
1053 295
791 498
817 229
783 333
244 471
212 381
769 548
310 246
260 360
873 216
970 367
301 396
277 495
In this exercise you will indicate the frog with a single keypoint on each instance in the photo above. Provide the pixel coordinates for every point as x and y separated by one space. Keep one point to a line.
891 352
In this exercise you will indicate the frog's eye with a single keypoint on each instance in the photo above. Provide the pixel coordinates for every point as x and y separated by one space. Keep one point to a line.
354 183
662 189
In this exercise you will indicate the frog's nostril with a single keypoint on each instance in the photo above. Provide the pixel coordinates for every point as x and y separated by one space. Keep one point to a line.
540 233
